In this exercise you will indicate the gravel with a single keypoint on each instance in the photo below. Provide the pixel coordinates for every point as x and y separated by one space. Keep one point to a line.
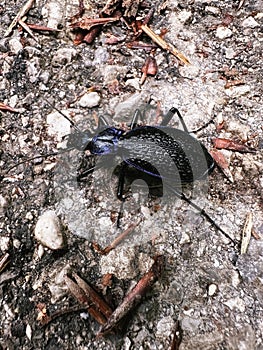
214 292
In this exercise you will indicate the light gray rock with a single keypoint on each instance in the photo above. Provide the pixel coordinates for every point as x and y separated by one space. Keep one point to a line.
48 231
89 100
63 56
223 32
15 45
250 22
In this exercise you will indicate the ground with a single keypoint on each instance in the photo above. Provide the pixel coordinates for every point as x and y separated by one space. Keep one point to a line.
214 292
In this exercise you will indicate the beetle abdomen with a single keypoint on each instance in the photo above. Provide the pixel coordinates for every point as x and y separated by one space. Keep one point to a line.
175 154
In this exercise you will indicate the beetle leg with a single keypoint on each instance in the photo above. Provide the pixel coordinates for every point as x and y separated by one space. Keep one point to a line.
169 115
182 196
120 190
137 114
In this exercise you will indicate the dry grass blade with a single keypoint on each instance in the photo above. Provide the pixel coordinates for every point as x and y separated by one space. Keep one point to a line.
163 44
27 29
88 23
246 234
20 14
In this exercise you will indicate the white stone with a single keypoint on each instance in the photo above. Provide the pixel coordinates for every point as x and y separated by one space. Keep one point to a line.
259 15
48 230
165 326
120 262
236 303
223 32
16 243
230 53
212 289
212 9
190 323
184 16
4 243
15 45
250 22
237 91
89 100
135 83
185 238
54 12
58 125
28 331
3 203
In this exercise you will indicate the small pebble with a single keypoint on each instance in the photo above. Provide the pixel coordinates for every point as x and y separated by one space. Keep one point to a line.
190 323
184 16
48 231
165 326
236 303
15 45
230 53
4 243
223 32
63 56
58 125
237 91
212 289
16 243
89 100
250 22
28 331
213 10
3 203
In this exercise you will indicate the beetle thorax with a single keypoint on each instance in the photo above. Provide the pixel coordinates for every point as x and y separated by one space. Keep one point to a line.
105 142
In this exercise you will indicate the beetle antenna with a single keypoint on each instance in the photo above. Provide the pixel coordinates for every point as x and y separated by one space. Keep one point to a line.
36 157
64 115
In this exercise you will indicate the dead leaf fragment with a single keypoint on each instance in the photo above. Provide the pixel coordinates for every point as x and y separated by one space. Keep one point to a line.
222 143
221 161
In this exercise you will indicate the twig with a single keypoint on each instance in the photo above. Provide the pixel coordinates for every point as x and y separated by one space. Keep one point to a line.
46 319
163 44
4 107
4 261
134 297
18 17
27 29
88 297
42 28
117 240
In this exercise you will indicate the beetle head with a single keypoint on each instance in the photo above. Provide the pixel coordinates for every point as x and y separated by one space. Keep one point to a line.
79 140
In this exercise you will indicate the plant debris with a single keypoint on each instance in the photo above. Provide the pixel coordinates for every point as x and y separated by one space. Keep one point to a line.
246 234
222 143
134 297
